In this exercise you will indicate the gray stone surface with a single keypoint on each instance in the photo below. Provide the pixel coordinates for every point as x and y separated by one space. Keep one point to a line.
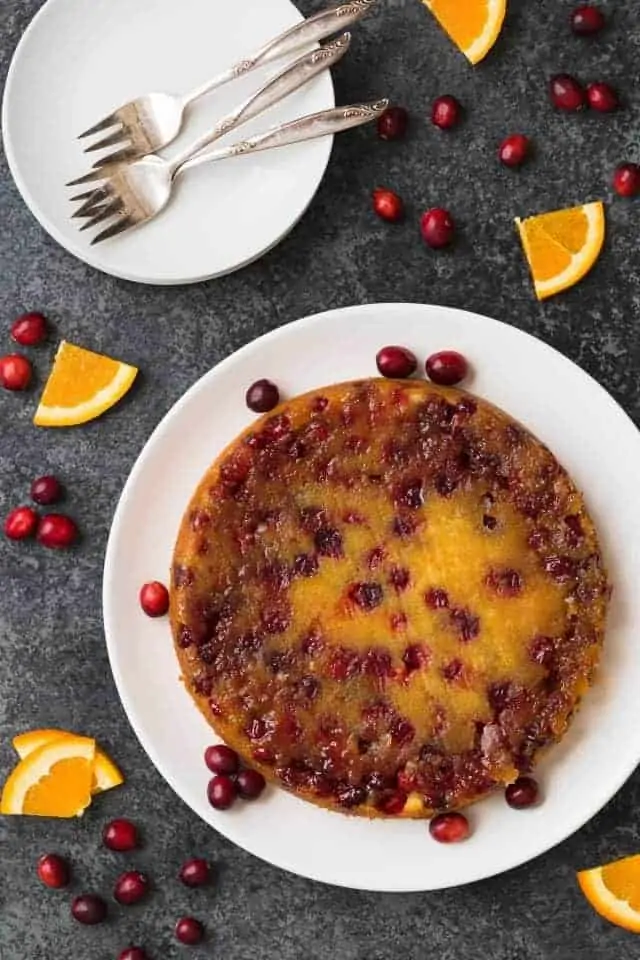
53 664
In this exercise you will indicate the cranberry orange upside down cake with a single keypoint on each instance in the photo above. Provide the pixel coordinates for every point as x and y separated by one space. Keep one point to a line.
388 597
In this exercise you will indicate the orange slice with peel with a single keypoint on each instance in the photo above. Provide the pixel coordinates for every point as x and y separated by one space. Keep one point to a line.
81 386
105 773
53 781
473 25
614 891
561 247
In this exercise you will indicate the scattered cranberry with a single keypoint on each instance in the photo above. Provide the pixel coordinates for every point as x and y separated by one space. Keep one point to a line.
446 368
154 599
449 828
189 931
21 523
133 953
195 873
602 97
262 396
523 793
396 362
250 784
46 490
587 20
130 887
392 124
120 835
221 759
53 871
567 93
514 150
445 112
89 909
15 372
57 531
437 228
626 180
388 205
221 792
29 329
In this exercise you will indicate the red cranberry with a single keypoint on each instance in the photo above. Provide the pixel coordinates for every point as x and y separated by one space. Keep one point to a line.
396 362
53 871
567 93
523 793
262 396
388 205
46 490
221 792
626 180
89 909
437 228
154 599
602 97
15 372
221 759
392 124
29 329
449 828
189 931
130 887
120 835
21 523
513 151
195 873
250 784
133 953
445 112
57 531
446 368
436 598
587 20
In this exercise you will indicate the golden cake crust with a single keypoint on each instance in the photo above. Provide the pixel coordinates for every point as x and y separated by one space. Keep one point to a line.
388 597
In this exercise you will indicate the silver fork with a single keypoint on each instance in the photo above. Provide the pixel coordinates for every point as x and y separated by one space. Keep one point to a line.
149 123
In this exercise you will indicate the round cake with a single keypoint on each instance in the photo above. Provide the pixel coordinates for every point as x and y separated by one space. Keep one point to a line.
388 597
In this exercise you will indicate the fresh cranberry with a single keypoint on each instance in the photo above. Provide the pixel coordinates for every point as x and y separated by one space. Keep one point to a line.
53 871
602 97
221 759
626 180
587 20
446 368
388 205
21 523
437 228
195 873
133 953
392 124
449 828
523 793
120 835
189 931
250 784
29 329
396 362
514 150
445 112
88 909
130 887
566 92
57 531
15 372
154 599
221 792
46 490
262 396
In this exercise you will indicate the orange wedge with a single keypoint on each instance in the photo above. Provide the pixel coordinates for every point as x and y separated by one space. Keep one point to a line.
561 247
53 781
105 773
473 25
81 386
614 891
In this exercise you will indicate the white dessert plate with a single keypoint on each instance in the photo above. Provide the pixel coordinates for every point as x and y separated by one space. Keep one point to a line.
568 410
77 61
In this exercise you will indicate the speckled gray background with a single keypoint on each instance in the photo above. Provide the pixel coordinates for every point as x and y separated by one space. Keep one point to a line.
53 664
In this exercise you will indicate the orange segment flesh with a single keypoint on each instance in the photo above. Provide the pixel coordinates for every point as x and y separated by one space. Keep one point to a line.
105 773
53 781
473 25
614 891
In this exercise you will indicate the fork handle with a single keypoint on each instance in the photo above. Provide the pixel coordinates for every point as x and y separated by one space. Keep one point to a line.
312 30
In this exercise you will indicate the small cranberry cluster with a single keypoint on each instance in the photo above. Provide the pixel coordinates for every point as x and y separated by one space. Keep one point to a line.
28 330
446 368
130 888
230 782
54 530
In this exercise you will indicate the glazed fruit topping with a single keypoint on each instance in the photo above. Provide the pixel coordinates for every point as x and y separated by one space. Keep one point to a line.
415 657
53 871
131 887
21 523
437 228
388 205
449 828
396 362
15 372
89 909
505 583
29 329
436 599
222 759
189 931
587 20
366 595
195 873
626 180
57 531
567 93
393 123
154 599
46 490
328 542
446 368
445 112
120 835
523 793
262 396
